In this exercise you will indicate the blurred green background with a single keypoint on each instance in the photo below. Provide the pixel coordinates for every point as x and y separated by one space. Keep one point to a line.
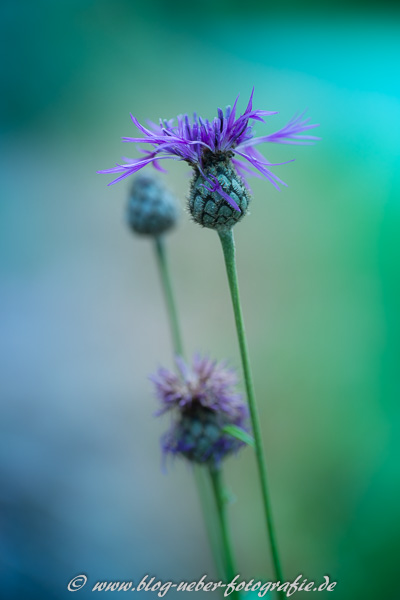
83 321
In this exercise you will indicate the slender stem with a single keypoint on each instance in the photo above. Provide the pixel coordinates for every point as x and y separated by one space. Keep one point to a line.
228 246
169 297
220 501
202 484
210 517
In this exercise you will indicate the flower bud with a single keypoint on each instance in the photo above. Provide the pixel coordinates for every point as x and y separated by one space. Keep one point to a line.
152 209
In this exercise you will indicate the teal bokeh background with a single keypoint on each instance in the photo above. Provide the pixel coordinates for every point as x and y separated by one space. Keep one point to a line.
83 322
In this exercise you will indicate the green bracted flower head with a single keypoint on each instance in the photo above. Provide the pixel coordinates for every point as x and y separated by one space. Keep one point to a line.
208 208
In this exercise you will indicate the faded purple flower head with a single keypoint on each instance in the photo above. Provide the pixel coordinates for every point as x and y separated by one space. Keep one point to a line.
215 149
202 400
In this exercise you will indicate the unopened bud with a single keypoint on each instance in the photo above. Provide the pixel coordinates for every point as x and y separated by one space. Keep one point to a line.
152 209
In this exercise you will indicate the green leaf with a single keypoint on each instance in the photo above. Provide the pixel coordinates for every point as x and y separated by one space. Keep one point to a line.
239 434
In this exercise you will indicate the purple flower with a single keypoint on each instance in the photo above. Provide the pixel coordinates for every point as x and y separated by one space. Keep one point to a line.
202 400
222 153
196 140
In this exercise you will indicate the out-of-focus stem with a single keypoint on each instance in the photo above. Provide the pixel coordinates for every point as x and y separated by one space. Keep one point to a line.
220 500
168 294
202 484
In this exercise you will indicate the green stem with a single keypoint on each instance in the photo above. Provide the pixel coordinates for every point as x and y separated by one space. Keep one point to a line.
220 501
202 484
169 297
228 246
210 516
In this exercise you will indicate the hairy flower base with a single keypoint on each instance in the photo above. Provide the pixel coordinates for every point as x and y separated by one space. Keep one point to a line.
198 436
209 208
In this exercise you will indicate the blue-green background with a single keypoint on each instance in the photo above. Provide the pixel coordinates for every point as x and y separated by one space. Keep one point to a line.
83 321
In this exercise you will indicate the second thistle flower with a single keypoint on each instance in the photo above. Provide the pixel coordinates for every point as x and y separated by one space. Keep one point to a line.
203 401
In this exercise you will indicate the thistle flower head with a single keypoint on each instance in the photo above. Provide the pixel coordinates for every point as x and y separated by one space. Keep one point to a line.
214 149
152 209
202 400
